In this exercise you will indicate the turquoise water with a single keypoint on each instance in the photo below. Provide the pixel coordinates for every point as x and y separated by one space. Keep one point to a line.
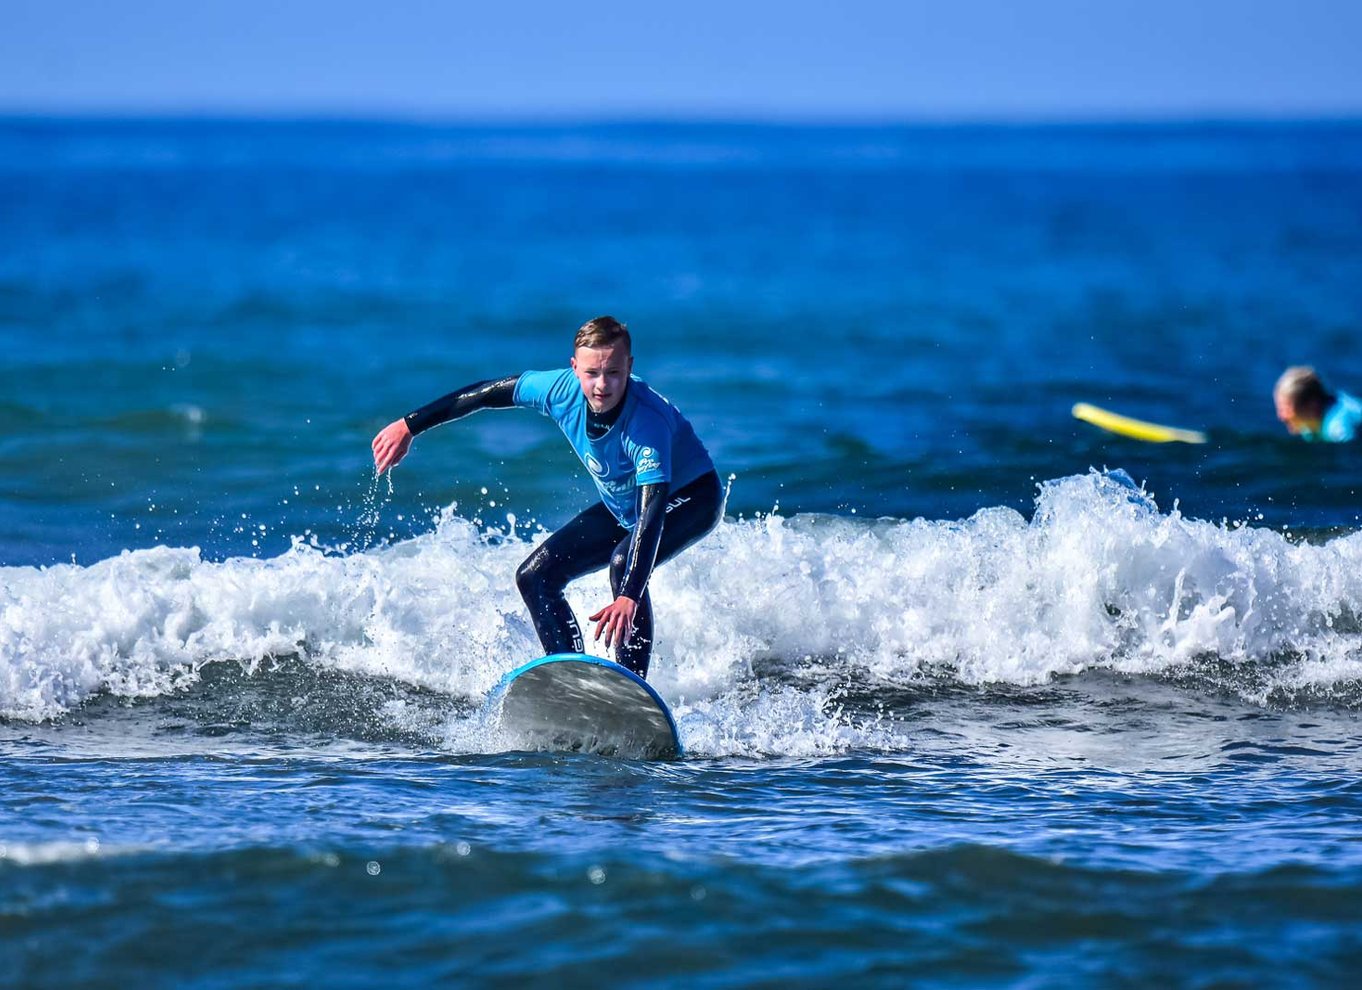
962 705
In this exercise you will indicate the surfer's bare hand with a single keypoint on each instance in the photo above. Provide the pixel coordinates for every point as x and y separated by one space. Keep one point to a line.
616 620
391 445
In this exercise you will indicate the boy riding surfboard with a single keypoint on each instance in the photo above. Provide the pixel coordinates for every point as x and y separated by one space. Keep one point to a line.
658 487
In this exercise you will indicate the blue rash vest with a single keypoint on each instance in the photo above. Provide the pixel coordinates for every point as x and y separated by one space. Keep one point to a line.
650 442
1341 423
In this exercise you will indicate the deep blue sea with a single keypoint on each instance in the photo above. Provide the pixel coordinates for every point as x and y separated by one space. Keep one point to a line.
973 694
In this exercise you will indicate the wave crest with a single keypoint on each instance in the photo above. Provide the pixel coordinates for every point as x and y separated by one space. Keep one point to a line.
1097 577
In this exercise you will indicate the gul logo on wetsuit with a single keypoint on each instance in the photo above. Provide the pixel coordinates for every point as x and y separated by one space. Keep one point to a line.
597 468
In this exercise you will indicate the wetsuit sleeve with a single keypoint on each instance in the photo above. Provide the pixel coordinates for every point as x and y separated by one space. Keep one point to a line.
496 393
647 535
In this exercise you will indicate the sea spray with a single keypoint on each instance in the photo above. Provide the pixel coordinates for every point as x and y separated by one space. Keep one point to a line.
1095 579
365 534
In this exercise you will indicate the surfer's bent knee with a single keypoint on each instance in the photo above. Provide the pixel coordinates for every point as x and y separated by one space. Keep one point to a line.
534 576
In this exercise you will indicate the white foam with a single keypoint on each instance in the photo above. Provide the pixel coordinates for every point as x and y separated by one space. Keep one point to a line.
59 851
1098 577
760 720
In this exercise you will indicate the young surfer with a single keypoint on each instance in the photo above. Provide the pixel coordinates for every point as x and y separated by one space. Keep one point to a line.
1311 411
659 489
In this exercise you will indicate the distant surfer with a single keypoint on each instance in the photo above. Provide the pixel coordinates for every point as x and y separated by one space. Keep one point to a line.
659 489
1311 411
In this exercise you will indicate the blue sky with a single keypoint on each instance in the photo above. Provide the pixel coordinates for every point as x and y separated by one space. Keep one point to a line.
951 59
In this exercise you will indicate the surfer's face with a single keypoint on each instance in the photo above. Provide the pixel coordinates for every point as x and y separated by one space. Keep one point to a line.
1297 419
603 372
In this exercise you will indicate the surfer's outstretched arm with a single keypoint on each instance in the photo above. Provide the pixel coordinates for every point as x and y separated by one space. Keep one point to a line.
394 440
630 576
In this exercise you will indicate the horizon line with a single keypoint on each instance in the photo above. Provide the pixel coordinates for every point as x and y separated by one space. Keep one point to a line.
775 119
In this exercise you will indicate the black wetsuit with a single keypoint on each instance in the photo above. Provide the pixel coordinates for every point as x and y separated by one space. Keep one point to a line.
668 522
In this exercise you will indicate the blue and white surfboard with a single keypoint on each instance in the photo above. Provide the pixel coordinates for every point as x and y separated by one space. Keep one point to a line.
581 703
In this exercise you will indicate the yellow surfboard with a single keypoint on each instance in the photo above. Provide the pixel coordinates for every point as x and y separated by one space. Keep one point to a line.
1136 429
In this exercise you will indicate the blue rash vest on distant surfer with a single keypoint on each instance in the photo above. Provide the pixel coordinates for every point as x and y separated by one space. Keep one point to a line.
659 489
1341 423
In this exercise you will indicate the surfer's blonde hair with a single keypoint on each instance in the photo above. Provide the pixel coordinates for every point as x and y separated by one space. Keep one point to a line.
604 331
1301 386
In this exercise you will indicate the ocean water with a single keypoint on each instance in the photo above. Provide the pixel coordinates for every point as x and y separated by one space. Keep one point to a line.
973 694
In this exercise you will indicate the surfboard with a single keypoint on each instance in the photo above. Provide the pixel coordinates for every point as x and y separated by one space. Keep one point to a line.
580 703
1136 429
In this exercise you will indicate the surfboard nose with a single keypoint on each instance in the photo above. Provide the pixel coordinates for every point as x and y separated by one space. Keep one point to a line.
580 703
